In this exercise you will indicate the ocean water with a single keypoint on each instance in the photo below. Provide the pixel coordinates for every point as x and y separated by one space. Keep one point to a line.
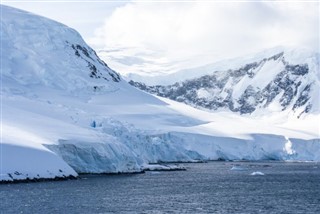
214 187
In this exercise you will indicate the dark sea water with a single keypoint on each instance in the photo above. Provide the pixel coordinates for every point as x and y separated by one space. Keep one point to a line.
214 187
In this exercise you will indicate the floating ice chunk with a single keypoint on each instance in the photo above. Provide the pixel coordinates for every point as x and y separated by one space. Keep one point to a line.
257 173
158 167
238 168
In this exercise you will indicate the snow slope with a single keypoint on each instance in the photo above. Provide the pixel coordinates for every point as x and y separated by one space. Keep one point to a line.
64 111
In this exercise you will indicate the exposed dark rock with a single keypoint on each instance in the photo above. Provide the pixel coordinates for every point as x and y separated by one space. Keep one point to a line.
32 180
303 97
298 69
91 57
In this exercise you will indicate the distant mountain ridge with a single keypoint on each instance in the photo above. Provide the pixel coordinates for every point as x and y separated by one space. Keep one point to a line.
272 84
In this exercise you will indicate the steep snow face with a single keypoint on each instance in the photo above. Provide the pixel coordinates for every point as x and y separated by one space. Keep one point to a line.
31 42
267 86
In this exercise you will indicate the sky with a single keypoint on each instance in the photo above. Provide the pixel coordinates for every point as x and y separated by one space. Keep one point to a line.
159 37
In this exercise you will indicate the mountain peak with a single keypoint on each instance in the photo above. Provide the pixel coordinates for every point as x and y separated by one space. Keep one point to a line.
30 42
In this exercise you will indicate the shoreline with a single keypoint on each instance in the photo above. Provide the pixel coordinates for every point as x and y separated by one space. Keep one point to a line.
162 167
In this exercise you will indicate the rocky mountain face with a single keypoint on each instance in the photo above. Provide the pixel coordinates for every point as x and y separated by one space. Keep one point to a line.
89 55
271 83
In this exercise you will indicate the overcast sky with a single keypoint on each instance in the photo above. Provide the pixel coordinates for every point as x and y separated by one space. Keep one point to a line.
162 37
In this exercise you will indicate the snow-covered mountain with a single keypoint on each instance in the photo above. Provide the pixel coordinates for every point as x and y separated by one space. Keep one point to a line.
64 111
268 85
62 107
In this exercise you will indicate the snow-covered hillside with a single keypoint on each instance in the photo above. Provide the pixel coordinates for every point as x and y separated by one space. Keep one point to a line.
57 94
64 111
287 81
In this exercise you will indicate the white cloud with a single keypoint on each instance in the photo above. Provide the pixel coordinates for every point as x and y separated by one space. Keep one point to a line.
169 36
84 16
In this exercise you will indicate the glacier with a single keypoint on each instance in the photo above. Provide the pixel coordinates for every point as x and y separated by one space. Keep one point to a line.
64 112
